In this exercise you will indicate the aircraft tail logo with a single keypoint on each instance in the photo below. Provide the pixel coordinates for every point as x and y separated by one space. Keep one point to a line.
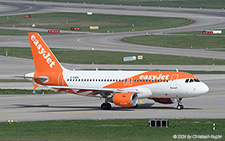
44 59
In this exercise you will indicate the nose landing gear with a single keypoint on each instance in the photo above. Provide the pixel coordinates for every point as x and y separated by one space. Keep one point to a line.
179 106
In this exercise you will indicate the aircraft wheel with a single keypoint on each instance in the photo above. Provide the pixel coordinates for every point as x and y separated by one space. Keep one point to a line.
106 106
179 107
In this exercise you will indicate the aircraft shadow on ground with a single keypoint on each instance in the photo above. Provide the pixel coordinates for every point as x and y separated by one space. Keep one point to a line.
94 108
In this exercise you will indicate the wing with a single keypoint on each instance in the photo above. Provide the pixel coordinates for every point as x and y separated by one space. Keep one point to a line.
101 90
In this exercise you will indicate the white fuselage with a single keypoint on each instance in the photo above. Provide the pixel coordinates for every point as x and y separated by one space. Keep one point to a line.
152 87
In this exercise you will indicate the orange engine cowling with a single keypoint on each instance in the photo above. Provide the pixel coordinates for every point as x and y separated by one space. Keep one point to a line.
164 100
125 99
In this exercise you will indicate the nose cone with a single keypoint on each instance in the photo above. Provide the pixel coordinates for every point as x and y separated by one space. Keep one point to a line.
203 88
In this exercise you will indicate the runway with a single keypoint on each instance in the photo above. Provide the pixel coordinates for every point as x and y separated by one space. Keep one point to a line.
67 106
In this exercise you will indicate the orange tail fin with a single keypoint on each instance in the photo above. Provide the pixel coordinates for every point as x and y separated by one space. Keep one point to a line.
44 59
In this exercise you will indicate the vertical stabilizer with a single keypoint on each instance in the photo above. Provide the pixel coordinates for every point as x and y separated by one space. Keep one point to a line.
44 59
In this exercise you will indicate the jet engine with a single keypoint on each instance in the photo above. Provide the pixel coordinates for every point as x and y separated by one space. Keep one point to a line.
165 100
125 99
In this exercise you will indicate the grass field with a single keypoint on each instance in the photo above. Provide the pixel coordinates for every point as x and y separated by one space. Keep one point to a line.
218 4
24 91
127 129
106 23
178 41
110 57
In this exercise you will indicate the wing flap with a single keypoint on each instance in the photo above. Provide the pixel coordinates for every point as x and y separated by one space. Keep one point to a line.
97 89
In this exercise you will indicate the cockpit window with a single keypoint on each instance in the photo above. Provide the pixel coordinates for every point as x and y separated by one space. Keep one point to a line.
196 80
191 80
187 80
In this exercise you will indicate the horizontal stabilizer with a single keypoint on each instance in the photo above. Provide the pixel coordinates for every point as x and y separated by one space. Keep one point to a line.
41 78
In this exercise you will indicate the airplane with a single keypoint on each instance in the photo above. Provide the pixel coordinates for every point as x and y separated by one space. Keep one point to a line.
123 88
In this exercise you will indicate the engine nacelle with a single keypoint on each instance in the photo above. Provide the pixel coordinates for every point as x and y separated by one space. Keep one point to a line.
165 100
125 99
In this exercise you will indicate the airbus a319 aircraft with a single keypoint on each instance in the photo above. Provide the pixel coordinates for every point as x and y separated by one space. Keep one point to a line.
123 88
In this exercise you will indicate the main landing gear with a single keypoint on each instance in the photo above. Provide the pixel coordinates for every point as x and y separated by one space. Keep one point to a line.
179 106
106 105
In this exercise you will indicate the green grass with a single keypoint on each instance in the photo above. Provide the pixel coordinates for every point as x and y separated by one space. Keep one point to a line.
125 129
24 91
106 23
111 57
218 4
178 41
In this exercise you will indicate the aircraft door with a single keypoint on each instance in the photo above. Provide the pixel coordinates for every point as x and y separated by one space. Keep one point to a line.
173 83
60 80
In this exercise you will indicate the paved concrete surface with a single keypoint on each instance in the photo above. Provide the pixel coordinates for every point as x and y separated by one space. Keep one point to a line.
204 19
66 106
